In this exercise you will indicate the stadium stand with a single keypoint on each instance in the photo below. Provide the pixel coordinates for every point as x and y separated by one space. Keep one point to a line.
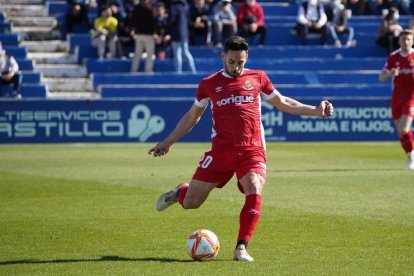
32 86
347 71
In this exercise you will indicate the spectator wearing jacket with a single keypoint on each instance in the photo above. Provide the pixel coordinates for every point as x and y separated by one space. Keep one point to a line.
338 24
178 21
225 21
142 25
312 19
10 73
251 20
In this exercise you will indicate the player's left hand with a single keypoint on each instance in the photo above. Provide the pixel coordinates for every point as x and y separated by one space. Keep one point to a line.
327 108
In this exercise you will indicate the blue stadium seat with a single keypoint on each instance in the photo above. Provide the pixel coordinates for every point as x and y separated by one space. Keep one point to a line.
10 39
28 90
310 91
25 64
282 64
5 27
31 77
277 77
16 51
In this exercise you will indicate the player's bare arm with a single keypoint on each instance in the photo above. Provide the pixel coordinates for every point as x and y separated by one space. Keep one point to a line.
186 123
289 105
386 74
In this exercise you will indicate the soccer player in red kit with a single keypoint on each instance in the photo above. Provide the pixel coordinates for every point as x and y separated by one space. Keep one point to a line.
238 144
400 67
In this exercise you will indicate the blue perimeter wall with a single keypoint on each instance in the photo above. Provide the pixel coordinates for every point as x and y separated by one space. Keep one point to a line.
151 119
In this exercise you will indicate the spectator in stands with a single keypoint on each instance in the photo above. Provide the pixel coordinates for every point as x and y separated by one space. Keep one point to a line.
162 38
406 6
225 21
399 67
378 7
251 20
338 24
312 19
178 20
357 7
105 33
117 7
389 30
125 39
200 22
10 73
143 30
77 11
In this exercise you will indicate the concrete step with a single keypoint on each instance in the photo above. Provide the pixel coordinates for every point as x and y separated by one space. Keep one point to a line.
68 84
46 46
62 70
31 21
24 10
64 95
22 2
37 33
52 58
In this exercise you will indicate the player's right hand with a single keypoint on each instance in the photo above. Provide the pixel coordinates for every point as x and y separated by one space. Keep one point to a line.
159 150
395 71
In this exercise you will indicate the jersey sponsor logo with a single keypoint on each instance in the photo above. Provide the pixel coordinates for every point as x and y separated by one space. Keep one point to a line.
406 71
248 85
237 100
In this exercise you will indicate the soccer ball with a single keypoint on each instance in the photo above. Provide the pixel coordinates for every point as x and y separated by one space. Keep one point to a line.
203 245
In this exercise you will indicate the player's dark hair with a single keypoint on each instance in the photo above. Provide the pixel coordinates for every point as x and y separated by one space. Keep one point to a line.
236 43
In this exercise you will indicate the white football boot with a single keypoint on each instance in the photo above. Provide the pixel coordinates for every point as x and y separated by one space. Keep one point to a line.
410 163
168 198
240 254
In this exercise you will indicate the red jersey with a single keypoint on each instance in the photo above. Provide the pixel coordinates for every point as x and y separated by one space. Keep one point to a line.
236 107
403 84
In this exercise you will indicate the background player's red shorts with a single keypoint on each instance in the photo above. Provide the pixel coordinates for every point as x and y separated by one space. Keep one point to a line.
218 166
399 109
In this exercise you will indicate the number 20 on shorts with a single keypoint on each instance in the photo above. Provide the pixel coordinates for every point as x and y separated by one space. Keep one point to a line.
205 161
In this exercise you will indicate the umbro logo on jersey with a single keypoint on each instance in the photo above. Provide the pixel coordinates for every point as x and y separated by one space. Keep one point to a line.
218 89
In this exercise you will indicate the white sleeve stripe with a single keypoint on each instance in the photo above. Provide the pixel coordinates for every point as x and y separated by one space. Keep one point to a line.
267 97
203 103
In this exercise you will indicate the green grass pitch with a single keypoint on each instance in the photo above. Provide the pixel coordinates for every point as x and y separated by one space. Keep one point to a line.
88 209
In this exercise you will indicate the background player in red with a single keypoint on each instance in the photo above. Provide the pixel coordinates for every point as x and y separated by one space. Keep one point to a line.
237 138
400 67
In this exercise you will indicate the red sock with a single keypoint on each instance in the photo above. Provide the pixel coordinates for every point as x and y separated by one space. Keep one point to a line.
407 141
249 217
182 192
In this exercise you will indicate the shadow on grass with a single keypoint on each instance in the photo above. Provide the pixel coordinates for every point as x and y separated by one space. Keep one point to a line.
102 259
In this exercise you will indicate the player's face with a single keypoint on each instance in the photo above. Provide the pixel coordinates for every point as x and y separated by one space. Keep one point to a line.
234 62
406 42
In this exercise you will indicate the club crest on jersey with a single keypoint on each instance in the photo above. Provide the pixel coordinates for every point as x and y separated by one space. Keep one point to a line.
248 85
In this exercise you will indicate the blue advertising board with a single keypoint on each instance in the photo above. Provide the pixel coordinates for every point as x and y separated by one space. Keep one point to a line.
151 119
